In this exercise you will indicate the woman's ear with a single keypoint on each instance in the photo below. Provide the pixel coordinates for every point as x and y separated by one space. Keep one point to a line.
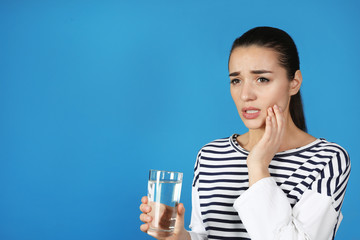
295 84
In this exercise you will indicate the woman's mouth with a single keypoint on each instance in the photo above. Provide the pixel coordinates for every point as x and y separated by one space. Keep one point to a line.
250 112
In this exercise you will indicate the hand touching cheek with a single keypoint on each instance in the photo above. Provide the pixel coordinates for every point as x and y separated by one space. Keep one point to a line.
263 152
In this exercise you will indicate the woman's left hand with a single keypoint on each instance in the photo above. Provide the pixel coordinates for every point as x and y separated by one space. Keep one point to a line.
263 152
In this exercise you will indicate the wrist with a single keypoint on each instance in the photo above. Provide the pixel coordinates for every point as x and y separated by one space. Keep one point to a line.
256 161
257 173
257 167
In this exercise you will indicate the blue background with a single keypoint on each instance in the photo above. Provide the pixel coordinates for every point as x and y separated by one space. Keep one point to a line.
93 94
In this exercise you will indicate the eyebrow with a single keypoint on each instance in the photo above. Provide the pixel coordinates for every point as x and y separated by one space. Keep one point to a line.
233 74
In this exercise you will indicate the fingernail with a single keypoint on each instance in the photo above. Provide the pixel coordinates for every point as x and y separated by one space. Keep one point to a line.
276 106
270 109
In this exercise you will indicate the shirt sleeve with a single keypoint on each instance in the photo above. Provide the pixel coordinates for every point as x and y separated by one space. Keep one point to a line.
198 231
267 214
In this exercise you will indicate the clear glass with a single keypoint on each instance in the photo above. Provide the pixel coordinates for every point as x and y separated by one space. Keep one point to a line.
164 189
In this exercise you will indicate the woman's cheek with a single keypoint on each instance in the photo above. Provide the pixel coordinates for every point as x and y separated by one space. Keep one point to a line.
282 103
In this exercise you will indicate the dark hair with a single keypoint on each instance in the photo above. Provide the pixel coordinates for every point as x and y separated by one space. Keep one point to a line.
283 44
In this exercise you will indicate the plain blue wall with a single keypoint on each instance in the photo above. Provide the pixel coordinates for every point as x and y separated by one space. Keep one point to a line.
93 94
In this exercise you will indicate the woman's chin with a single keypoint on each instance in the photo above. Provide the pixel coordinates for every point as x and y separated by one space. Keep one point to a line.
254 124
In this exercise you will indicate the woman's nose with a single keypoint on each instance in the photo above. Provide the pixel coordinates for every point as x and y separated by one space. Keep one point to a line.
247 92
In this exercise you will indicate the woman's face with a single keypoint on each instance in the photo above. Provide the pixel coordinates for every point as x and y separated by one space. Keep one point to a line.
257 82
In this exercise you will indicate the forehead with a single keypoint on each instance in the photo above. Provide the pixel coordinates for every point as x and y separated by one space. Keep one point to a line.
253 58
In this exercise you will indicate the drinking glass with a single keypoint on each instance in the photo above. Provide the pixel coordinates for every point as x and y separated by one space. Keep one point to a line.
164 189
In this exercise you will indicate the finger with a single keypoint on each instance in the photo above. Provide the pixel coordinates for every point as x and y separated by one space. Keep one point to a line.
271 112
144 199
279 115
145 208
268 129
271 115
273 124
273 121
144 227
279 119
179 225
145 218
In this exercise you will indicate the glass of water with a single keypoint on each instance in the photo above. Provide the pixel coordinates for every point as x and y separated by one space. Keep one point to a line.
164 189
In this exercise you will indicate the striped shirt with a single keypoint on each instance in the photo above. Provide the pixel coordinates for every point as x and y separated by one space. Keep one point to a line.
221 176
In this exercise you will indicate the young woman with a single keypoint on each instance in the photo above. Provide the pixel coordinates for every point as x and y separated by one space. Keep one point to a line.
275 181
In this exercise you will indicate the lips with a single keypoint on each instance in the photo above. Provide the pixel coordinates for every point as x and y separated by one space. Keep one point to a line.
250 112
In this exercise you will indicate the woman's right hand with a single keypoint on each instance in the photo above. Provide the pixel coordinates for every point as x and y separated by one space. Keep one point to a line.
180 232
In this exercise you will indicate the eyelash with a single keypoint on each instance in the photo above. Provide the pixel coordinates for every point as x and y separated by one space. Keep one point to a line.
234 81
262 80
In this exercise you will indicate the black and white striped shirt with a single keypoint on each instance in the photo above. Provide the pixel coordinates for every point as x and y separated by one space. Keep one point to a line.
321 169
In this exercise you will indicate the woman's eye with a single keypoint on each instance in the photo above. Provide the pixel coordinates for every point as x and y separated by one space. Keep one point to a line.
235 81
262 80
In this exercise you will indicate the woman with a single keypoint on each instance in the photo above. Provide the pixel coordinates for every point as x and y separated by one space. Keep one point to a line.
275 181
